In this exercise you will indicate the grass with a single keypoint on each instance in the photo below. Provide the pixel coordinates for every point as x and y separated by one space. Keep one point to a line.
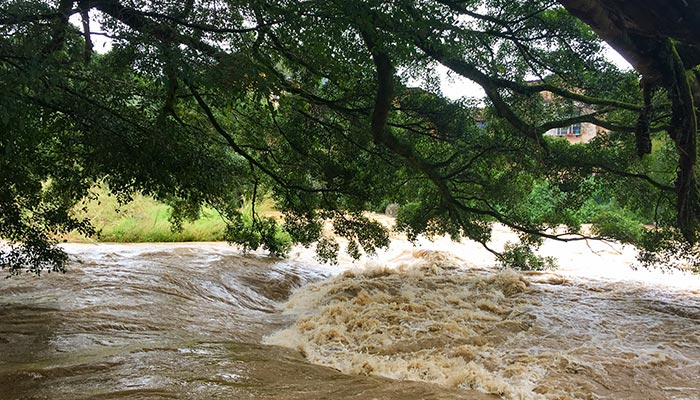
143 220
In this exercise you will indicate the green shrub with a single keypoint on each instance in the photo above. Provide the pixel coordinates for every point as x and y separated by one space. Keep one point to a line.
521 257
618 223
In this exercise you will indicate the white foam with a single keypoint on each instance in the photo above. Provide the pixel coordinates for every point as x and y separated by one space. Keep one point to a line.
428 315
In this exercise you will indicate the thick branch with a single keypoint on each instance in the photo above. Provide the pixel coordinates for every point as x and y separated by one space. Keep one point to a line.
569 121
164 33
240 151
490 87
59 29
204 27
10 19
385 89
642 132
84 14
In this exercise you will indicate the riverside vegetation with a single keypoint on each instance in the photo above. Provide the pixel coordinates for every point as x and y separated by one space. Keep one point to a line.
144 219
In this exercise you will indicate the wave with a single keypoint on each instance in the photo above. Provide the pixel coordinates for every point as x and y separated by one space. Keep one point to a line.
432 317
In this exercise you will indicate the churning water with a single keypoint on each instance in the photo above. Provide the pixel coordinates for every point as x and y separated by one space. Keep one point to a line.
202 321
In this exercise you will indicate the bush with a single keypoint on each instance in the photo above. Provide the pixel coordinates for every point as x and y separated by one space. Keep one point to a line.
620 224
521 257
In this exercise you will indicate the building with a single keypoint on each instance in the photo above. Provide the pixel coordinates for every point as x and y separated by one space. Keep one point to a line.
576 133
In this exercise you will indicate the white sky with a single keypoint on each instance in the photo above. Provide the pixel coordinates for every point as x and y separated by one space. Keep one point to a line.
101 44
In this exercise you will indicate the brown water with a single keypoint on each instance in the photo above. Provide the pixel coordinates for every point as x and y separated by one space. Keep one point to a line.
167 321
201 321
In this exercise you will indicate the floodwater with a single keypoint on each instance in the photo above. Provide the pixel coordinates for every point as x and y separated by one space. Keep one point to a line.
203 321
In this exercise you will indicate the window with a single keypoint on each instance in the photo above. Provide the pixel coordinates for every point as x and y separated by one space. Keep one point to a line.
571 130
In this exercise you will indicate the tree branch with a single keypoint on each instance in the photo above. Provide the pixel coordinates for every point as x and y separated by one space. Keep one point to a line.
164 33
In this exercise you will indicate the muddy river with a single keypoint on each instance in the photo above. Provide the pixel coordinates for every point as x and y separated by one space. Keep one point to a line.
436 321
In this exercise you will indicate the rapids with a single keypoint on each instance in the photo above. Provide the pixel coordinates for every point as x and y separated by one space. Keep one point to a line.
203 321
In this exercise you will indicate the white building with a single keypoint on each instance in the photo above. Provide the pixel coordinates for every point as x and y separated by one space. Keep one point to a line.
576 133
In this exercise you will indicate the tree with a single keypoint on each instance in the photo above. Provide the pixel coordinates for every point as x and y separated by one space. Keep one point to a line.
661 41
315 103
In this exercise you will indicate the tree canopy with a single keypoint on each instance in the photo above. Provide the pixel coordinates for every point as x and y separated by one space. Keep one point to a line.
334 107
